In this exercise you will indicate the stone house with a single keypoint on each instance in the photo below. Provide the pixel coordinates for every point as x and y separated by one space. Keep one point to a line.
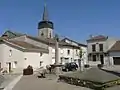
114 54
17 55
98 49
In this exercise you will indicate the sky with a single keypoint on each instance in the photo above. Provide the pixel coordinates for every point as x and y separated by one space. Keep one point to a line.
75 19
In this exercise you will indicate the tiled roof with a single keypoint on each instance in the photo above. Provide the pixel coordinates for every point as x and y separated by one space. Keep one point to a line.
11 34
25 46
43 40
116 46
99 37
51 41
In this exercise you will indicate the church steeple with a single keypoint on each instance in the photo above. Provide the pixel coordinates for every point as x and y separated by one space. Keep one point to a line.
45 27
45 13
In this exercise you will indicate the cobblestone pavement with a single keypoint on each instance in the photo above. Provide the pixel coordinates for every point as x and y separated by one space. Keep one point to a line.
49 83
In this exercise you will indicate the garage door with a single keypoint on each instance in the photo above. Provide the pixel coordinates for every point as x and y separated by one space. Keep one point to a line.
116 60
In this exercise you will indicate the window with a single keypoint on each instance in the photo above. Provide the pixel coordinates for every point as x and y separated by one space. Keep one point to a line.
15 62
76 52
50 35
75 60
0 64
93 47
41 63
25 58
61 59
41 54
42 34
10 53
101 47
53 50
53 57
68 52
61 51
94 57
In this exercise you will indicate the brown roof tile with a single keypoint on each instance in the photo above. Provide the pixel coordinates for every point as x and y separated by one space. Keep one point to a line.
27 46
80 44
24 44
51 41
116 46
99 37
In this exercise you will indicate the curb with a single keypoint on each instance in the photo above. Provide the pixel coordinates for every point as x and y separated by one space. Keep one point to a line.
11 85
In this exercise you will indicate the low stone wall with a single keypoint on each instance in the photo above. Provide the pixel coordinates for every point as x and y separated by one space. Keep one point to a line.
87 83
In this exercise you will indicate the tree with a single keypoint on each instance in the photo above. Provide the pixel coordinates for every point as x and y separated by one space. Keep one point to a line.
80 60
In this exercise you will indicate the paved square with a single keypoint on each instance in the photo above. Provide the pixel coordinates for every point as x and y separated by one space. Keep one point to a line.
34 83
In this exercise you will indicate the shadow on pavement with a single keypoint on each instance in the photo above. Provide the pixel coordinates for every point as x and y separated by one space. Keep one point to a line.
112 72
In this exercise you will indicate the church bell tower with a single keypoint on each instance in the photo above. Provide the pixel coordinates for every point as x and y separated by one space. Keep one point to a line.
45 27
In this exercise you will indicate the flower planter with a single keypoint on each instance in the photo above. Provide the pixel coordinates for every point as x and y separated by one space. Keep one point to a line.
28 71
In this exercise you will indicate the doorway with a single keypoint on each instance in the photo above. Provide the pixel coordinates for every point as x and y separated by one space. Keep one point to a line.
102 59
116 60
9 66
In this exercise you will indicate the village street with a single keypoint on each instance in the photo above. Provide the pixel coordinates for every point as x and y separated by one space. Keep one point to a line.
32 82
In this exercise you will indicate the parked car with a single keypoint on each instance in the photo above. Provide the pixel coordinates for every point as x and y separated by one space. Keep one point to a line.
70 66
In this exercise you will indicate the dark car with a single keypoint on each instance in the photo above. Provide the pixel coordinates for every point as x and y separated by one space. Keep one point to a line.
70 66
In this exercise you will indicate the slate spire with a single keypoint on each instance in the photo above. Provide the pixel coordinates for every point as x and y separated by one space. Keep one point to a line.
45 23
45 13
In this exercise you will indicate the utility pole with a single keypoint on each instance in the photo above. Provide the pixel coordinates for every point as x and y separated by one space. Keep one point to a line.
57 68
